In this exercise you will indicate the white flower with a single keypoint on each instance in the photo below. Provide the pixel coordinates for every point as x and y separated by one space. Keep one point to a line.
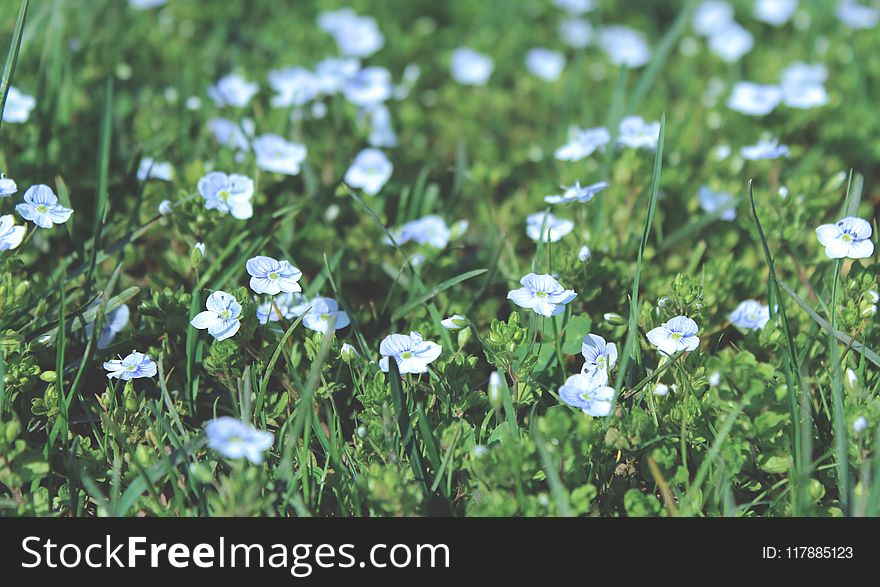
541 294
470 67
42 208
661 389
598 355
624 46
545 63
712 202
804 96
355 36
18 106
412 353
165 207
547 227
750 315
370 171
454 322
295 86
576 6
228 194
584 254
10 234
235 439
754 99
765 150
582 143
332 73
371 86
589 393
149 168
233 90
731 42
221 318
577 193
231 134
274 154
635 133
678 334
576 32
134 366
323 309
283 306
272 277
113 324
857 16
146 4
860 425
346 351
775 12
849 237
712 16
431 230
7 186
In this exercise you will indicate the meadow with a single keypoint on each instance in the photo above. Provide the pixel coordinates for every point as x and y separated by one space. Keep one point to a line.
420 258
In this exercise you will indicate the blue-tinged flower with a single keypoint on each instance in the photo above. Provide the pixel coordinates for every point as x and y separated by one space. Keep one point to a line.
134 366
677 334
18 106
149 168
635 133
272 277
431 230
857 16
712 16
369 171
371 86
7 186
221 318
804 96
713 202
731 43
598 355
545 63
576 193
582 143
228 194
10 234
471 68
454 322
347 352
541 294
42 208
775 12
332 73
860 424
381 130
232 134
200 247
584 254
770 149
146 4
355 36
750 315
412 353
277 155
283 306
233 90
576 6
754 99
849 237
661 389
235 439
319 316
114 323
547 227
590 393
576 32
294 86
624 46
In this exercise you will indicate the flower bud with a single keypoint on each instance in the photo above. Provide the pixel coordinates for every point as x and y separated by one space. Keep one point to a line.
494 392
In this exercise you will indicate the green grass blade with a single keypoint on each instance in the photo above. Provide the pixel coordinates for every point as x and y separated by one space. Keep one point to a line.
12 56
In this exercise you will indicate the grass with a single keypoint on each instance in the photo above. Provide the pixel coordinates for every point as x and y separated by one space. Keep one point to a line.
756 422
